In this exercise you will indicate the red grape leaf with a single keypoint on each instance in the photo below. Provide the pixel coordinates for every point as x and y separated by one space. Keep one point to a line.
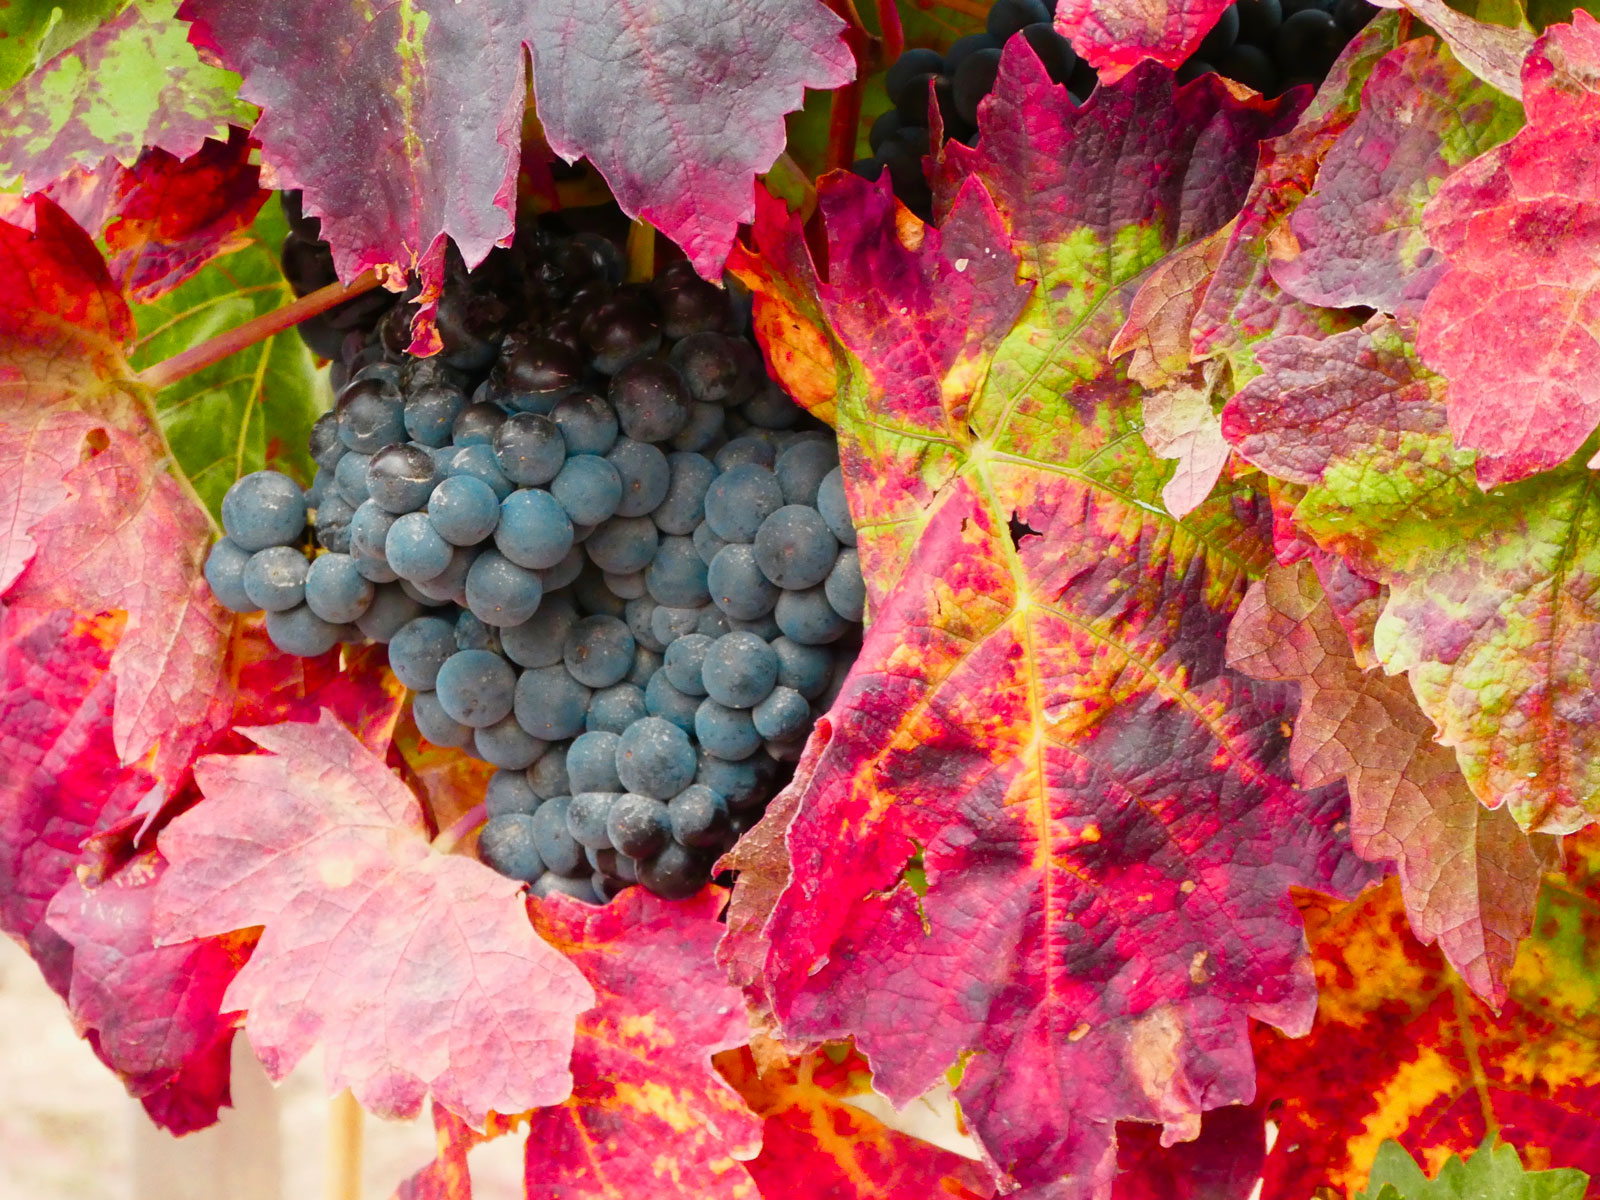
1223 1163
151 1012
126 536
1243 307
802 353
648 1114
402 125
1470 877
1357 239
1512 323
1059 802
816 1146
448 1176
1402 1050
417 971
1117 35
62 779
1494 53
169 216
133 81
1490 611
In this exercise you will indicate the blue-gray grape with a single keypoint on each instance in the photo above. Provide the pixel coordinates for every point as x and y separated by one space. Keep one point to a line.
783 715
645 476
598 651
530 449
389 611
509 791
587 815
739 670
507 745
463 509
676 576
663 700
683 662
264 508
534 530
623 545
683 507
414 548
588 424
275 578
507 843
476 687
552 838
418 649
698 816
845 589
438 726
835 511
479 462
808 618
638 825
740 499
224 573
669 624
301 632
588 488
794 548
739 585
802 467
655 758
592 762
551 704
501 593
726 732
335 590
804 668
538 641
400 478
613 709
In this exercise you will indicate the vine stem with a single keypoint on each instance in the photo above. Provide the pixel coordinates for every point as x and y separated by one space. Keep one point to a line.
257 329
344 1148
641 252
452 837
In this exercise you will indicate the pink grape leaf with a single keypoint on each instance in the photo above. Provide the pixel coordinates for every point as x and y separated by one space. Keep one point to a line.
1519 226
62 780
1117 35
1470 877
1061 805
1243 307
1179 422
649 1115
1357 239
414 117
152 1013
815 1143
126 536
417 971
1489 609
67 114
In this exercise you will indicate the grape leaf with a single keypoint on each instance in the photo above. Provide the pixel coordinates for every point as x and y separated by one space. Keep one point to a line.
1515 225
62 778
256 407
440 985
1402 1050
152 1013
1489 608
1470 877
33 31
130 82
1087 790
1494 1171
1357 239
1491 51
169 216
125 535
1243 306
648 1115
814 1143
1223 1163
401 125
1116 35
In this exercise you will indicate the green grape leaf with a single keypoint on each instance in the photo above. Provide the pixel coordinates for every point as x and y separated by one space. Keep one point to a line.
253 409
1493 1173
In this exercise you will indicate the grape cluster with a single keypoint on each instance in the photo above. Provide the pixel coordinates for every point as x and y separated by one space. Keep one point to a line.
604 549
1274 45
961 77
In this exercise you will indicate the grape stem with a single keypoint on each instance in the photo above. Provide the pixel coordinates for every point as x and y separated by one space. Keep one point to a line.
258 329
451 837
641 251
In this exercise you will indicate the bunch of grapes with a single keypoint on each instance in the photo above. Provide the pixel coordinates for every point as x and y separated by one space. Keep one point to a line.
960 78
1268 45
1274 45
608 554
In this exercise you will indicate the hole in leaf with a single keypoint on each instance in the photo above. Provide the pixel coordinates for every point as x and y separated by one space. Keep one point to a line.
1019 529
